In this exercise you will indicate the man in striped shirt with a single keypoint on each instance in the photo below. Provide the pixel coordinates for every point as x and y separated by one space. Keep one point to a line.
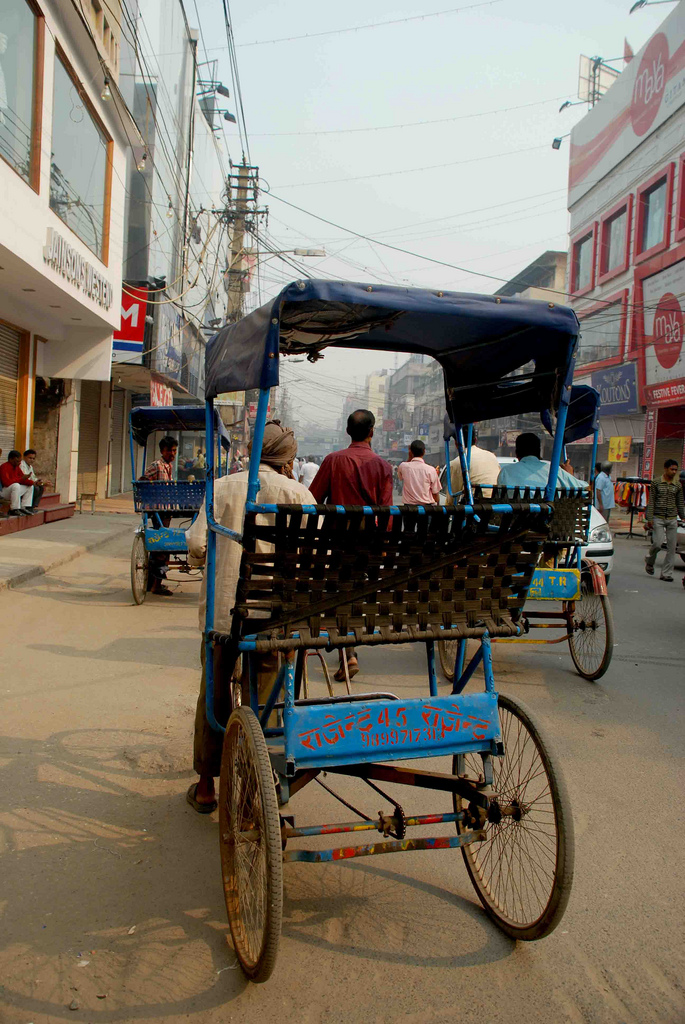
664 508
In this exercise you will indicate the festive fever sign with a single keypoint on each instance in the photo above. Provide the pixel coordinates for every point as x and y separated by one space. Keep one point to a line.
662 353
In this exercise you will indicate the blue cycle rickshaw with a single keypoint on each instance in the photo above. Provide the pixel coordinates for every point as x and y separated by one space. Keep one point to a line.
574 582
160 501
315 577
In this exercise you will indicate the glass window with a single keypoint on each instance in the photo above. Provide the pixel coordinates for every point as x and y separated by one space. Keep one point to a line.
600 335
79 162
653 215
17 49
615 240
582 263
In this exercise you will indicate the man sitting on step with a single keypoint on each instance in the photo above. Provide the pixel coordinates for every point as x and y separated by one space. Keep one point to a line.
27 469
17 487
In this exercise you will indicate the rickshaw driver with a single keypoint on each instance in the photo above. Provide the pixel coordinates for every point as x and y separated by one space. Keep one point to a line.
276 487
161 469
531 470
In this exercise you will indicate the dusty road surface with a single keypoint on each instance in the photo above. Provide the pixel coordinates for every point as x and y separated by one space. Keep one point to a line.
110 893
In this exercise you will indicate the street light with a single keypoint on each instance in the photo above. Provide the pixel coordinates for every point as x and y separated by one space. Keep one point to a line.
556 143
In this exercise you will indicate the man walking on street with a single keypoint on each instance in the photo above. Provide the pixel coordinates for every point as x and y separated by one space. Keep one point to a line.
604 491
354 476
421 482
308 471
664 508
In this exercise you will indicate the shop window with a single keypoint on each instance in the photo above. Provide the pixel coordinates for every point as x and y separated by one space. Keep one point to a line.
21 77
80 168
583 262
680 209
614 255
653 222
603 331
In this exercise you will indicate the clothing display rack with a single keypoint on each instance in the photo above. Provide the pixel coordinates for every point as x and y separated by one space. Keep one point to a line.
637 498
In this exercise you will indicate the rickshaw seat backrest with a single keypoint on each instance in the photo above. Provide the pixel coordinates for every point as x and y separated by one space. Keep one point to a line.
570 520
324 576
168 495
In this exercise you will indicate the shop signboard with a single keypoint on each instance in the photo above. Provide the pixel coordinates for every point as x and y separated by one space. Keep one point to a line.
166 353
619 449
424 428
407 439
647 92
127 344
617 388
388 424
662 352
160 393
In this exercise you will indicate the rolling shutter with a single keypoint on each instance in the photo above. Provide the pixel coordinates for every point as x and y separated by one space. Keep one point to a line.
9 373
89 429
116 450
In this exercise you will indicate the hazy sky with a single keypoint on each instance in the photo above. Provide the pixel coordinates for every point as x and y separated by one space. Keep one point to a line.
492 194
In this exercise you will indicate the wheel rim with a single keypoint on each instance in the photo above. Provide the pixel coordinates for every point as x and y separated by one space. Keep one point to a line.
140 566
516 864
589 637
448 657
246 880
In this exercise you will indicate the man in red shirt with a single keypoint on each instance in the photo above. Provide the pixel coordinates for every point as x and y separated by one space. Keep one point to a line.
16 486
354 476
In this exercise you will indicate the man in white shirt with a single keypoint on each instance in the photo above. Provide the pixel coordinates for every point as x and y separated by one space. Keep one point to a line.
604 491
531 470
276 487
421 484
26 467
308 471
483 469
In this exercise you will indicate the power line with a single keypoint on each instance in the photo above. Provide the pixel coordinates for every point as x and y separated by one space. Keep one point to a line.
413 170
406 124
375 24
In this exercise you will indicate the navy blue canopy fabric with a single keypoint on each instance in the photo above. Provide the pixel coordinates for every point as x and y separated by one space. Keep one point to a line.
478 339
145 419
583 413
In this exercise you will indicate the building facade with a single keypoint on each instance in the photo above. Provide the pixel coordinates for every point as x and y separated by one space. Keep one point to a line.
626 275
62 197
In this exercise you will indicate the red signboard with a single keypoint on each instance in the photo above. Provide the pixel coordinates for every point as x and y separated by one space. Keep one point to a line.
651 419
160 394
388 424
133 310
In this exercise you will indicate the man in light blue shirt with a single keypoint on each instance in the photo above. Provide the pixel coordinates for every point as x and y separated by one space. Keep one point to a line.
531 470
604 491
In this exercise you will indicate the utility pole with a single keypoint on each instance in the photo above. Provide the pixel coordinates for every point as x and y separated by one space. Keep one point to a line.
241 215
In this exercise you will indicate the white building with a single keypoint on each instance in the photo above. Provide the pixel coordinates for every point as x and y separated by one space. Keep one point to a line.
627 253
62 173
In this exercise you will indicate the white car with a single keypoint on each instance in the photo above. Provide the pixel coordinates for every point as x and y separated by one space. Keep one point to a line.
600 545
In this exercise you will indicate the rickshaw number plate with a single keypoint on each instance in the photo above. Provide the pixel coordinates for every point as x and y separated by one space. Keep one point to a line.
555 585
390 730
166 539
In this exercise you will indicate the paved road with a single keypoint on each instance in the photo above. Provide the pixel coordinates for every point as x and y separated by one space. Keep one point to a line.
110 886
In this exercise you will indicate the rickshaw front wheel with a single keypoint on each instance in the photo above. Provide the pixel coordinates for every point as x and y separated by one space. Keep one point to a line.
251 850
523 869
591 632
140 559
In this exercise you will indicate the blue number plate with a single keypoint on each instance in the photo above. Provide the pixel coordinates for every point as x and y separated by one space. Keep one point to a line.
555 585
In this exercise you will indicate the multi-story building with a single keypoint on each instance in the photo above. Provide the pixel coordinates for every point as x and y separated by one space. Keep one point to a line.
376 385
399 427
627 252
64 135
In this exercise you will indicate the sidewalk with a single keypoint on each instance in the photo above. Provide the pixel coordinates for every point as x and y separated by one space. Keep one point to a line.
35 552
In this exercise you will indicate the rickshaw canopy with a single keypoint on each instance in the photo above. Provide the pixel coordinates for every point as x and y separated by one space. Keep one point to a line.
583 414
500 355
145 419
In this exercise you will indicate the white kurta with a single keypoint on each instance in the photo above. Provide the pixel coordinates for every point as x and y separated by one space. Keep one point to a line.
230 494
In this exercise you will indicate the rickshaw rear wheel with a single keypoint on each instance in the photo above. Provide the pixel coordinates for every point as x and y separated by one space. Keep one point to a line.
447 652
523 869
591 629
251 851
140 559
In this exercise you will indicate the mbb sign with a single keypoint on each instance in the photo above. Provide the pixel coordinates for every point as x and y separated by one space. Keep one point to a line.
128 340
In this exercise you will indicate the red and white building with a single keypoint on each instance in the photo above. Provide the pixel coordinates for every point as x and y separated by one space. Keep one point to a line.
626 270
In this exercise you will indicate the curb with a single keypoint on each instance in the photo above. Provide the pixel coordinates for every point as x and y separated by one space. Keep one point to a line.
31 572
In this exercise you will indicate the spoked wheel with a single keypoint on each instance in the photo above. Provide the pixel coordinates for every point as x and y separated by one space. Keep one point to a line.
523 869
447 652
251 852
140 559
592 637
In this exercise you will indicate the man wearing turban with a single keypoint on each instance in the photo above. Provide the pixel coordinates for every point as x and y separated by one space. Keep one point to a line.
277 486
